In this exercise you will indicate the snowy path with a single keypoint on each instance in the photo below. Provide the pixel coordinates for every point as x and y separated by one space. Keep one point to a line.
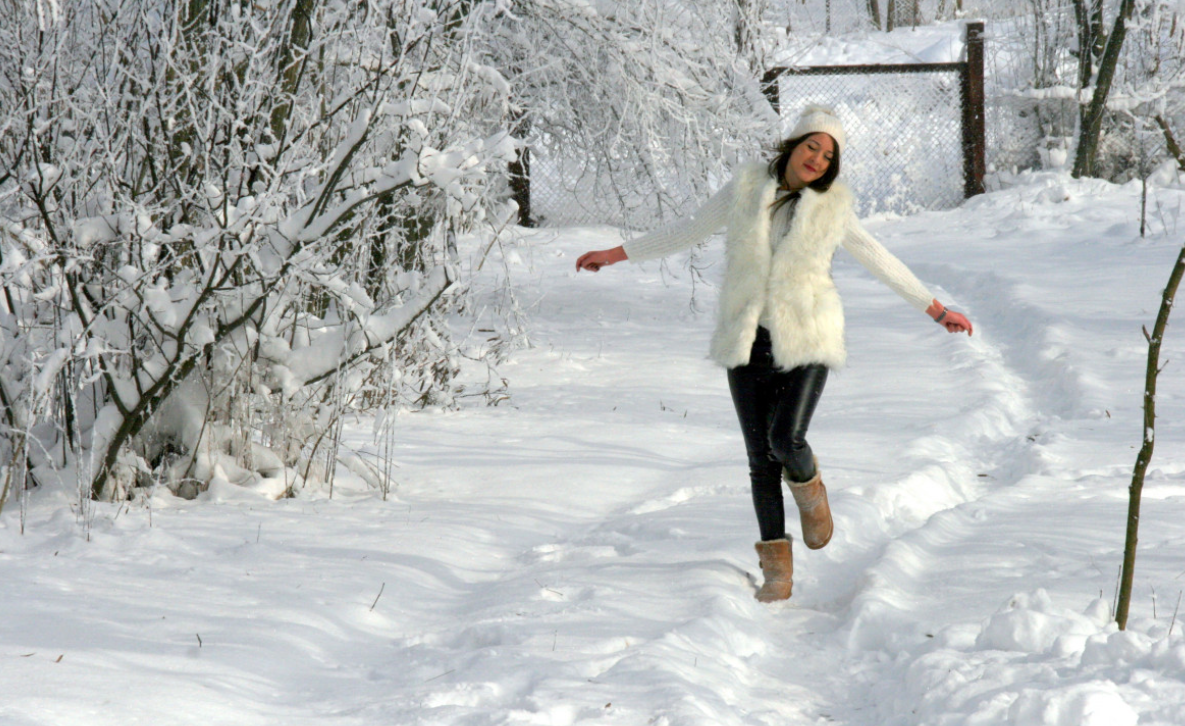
583 553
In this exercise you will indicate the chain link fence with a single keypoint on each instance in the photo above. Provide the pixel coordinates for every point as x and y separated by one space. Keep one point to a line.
568 190
1015 135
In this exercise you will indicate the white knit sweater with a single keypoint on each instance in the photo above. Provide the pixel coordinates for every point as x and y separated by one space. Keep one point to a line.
825 344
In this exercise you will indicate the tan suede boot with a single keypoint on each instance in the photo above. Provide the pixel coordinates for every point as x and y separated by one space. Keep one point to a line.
813 509
777 566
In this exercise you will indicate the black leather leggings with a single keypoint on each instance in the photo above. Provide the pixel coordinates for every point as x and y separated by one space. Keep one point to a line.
775 408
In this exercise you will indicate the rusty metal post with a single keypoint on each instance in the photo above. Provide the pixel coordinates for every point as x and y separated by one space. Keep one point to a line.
769 86
974 138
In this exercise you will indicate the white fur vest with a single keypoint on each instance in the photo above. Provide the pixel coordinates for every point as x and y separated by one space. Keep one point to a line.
789 278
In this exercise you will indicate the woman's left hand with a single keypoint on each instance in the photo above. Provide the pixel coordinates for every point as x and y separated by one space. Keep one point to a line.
949 319
956 323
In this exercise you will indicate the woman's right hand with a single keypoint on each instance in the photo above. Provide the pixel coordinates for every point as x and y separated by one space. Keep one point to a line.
593 261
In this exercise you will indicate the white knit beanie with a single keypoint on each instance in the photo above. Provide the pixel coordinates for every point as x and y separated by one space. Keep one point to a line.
819 118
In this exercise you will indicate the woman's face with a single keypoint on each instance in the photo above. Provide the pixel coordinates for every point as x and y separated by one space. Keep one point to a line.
809 160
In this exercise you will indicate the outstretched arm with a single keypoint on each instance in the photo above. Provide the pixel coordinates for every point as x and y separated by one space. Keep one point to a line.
893 272
685 233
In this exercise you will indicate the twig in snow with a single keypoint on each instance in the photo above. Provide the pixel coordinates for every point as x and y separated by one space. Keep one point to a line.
1115 598
258 532
376 597
554 592
1174 620
442 675
199 637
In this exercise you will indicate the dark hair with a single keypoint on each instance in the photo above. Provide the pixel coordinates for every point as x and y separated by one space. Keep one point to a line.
777 167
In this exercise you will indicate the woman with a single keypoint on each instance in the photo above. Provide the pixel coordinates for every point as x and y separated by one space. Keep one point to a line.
780 324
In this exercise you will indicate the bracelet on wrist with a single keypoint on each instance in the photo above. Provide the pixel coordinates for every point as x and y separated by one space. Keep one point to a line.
941 315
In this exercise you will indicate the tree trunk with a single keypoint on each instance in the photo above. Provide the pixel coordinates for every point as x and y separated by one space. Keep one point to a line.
874 13
519 171
1088 136
291 65
747 31
1100 33
1145 455
1088 16
903 13
1170 142
1082 19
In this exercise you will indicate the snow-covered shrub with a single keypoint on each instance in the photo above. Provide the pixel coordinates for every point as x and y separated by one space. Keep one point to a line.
224 225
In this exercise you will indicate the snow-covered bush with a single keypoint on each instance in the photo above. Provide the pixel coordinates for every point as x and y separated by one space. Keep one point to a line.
226 224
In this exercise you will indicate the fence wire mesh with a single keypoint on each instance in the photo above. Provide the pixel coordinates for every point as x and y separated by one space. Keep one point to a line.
1015 137
569 189
904 150
904 153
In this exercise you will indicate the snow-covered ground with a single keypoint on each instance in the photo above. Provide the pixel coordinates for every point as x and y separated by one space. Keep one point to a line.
583 552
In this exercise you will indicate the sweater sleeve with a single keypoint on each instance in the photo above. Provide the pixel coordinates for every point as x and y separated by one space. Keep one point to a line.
685 233
887 268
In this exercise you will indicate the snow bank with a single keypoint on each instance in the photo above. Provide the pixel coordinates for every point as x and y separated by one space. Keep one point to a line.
1034 663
